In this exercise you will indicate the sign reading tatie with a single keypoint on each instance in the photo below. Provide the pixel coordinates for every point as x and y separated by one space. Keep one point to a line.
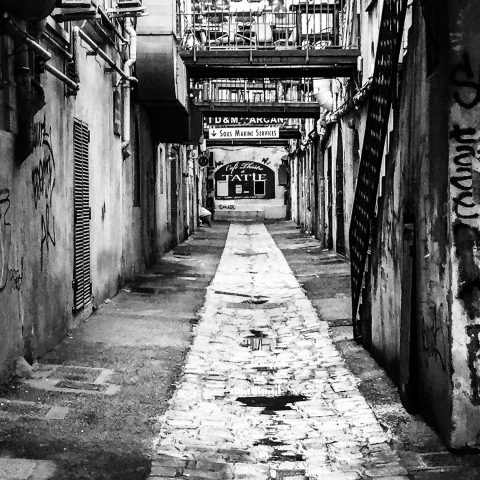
245 180
243 132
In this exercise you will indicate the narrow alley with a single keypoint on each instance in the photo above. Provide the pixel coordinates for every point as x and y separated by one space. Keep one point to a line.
264 390
216 365
239 239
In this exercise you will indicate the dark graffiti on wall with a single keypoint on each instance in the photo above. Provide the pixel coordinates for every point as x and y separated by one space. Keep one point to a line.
43 185
464 148
5 236
16 277
467 241
464 144
434 337
473 348
467 93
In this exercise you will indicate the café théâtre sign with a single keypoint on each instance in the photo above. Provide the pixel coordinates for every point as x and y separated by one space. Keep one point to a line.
245 180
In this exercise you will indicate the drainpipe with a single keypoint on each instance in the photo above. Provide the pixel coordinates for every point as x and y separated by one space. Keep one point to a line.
126 88
79 34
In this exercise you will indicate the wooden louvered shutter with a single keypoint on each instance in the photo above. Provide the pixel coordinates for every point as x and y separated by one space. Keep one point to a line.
82 286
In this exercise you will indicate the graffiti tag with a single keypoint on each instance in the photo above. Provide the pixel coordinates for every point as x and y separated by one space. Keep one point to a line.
462 76
43 185
5 236
465 150
434 337
16 277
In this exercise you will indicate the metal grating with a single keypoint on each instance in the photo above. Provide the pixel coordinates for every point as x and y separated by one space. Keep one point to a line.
76 385
79 374
361 227
82 287
23 409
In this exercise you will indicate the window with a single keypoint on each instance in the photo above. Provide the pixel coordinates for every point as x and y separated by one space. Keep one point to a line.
222 188
259 187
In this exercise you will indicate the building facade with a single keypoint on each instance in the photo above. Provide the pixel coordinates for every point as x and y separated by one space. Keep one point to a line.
411 213
90 195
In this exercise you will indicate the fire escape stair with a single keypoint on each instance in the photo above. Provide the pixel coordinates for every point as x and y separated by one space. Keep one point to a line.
368 206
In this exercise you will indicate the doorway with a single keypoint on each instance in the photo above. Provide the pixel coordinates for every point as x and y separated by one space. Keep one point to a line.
339 200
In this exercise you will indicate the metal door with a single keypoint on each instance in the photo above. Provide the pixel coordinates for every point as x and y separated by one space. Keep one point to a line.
329 199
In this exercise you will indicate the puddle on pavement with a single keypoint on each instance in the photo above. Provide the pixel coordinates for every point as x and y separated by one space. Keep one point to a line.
272 404
269 442
279 456
238 294
258 341
266 369
264 304
255 301
250 253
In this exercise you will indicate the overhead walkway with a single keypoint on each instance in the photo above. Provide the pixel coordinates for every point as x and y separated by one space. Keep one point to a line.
258 97
290 39
273 109
326 63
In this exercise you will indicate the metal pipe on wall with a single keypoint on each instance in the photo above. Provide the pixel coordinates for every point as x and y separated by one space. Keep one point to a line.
127 68
80 34
44 53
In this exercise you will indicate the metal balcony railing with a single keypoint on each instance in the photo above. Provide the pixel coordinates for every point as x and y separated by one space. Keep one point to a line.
261 90
305 24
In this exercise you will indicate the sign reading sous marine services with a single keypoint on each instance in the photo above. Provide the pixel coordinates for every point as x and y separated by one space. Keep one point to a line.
243 132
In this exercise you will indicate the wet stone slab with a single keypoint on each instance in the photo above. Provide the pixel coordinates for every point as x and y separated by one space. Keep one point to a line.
26 469
264 393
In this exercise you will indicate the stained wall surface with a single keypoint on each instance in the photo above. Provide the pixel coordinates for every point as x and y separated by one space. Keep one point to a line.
37 212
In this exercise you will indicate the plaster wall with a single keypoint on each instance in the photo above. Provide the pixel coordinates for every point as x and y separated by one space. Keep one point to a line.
464 215
36 204
410 305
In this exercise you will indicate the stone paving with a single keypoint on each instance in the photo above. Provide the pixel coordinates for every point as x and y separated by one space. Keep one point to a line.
264 393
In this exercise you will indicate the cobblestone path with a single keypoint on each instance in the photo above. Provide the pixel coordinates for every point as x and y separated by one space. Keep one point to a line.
264 394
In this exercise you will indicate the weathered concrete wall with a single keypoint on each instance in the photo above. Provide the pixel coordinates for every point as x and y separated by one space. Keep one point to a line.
410 273
464 215
12 261
37 215
252 207
351 147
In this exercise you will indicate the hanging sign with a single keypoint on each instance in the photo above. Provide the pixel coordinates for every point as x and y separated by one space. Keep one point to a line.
244 180
203 160
243 132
